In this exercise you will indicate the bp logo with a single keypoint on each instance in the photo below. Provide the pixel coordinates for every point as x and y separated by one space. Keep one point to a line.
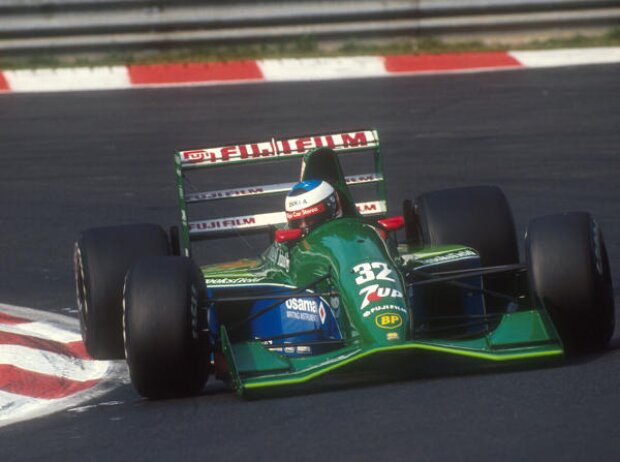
389 321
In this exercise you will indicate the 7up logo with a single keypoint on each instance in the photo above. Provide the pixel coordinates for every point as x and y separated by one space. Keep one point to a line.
375 293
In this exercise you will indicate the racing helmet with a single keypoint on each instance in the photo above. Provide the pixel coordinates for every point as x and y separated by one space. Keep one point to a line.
311 203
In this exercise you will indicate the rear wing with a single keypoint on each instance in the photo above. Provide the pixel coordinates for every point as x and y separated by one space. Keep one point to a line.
274 150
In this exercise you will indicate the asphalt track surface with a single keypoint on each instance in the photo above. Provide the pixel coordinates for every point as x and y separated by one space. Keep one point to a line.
549 138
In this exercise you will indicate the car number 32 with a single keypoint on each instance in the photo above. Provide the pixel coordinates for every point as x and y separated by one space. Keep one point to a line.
375 271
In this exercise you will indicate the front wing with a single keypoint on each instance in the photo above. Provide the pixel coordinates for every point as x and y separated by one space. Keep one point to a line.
524 338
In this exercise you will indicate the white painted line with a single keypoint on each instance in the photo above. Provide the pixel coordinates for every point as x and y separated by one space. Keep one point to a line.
322 68
11 403
46 362
42 330
567 57
74 79
60 320
80 409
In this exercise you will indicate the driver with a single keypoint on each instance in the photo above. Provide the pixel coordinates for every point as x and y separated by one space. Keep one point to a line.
310 204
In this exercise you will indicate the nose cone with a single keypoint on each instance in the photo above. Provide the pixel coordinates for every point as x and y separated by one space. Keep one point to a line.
370 284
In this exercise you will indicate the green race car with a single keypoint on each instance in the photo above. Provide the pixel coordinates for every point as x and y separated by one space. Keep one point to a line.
360 295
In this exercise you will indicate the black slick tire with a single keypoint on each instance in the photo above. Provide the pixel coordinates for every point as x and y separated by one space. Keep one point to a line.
478 217
164 324
102 257
569 275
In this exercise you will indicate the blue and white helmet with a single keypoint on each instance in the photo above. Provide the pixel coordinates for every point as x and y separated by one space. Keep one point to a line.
311 203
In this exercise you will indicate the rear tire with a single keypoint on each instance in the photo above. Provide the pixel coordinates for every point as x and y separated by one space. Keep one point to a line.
164 324
478 217
570 276
102 257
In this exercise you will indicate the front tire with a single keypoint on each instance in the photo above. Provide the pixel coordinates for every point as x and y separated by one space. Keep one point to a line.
570 276
102 257
478 217
164 325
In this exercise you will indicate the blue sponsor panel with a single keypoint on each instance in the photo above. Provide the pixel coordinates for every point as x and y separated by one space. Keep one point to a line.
294 325
447 308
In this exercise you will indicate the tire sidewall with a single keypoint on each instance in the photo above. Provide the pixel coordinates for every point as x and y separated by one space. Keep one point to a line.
166 345
102 257
569 276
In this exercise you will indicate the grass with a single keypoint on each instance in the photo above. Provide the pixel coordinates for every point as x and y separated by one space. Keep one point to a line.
300 48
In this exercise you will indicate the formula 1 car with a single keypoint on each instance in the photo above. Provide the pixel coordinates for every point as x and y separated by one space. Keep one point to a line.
353 298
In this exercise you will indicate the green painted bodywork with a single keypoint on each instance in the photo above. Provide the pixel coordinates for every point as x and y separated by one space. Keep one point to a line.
378 329
520 337
524 336
335 248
